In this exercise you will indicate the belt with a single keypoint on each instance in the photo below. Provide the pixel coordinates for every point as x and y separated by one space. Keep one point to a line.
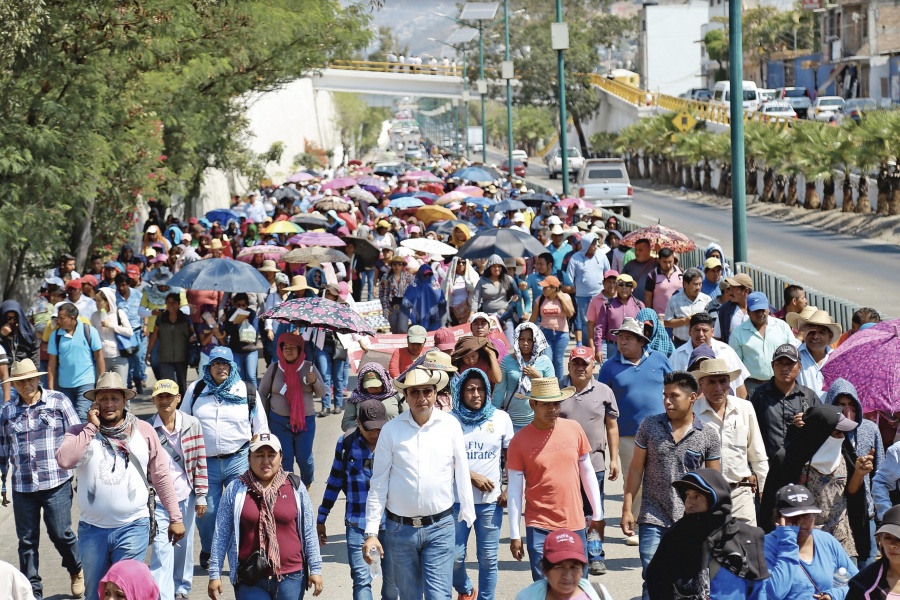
742 483
419 521
238 451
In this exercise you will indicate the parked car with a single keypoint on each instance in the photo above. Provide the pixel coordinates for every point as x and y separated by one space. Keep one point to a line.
722 95
798 98
518 167
604 183
554 162
766 95
778 108
856 108
826 108
521 155
702 95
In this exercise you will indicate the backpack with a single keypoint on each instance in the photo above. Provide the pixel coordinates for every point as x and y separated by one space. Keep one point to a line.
87 336
251 395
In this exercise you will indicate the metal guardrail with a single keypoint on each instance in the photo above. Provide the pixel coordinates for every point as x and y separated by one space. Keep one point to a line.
395 67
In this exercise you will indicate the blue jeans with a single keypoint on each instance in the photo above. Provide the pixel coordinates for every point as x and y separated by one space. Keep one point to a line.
367 277
649 537
221 472
154 362
172 567
534 541
297 446
422 558
873 553
488 519
601 478
359 569
57 506
335 374
558 340
581 320
102 547
291 587
248 365
137 368
76 395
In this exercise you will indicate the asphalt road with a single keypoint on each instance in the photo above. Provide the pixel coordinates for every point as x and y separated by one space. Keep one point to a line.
860 270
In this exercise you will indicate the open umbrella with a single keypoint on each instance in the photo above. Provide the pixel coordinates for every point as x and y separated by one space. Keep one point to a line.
317 239
299 177
454 196
223 215
446 227
577 202
406 194
373 182
470 190
422 195
429 246
315 255
310 220
220 275
282 227
405 202
332 203
430 214
868 360
268 252
508 205
478 201
661 236
339 183
319 312
507 243
366 252
359 193
418 175
285 192
535 200
476 174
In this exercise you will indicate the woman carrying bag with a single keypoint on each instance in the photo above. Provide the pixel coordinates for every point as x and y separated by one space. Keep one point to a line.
112 324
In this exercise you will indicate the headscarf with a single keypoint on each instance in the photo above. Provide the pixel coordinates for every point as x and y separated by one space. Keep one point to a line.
109 294
842 387
121 257
311 280
680 566
26 330
540 346
173 234
292 380
223 391
466 415
133 578
155 296
659 339
726 268
423 301
360 394
117 437
266 497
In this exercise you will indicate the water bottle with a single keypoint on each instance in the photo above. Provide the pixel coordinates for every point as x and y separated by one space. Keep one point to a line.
594 546
841 578
375 565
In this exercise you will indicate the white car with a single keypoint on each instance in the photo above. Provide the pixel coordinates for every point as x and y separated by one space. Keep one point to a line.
520 155
775 108
826 108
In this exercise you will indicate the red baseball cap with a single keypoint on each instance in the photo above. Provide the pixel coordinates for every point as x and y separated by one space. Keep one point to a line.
610 273
89 279
74 283
550 281
564 544
582 352
133 271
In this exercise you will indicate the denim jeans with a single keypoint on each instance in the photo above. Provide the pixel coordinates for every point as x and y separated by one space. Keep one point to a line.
248 365
172 567
102 547
117 364
177 372
581 320
367 277
422 558
154 362
76 395
488 519
221 472
137 368
291 587
558 340
649 537
359 569
534 541
297 445
57 506
335 374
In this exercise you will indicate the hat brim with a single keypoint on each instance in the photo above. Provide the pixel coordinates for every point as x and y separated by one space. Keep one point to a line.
639 335
682 485
557 557
25 376
890 528
297 288
566 392
799 510
269 270
835 328
370 425
266 444
731 374
129 394
845 424
433 379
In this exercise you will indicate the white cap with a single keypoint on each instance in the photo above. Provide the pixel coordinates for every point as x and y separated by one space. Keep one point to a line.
518 218
554 220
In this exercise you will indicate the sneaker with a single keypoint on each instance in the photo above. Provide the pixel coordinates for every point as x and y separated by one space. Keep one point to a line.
632 540
337 410
78 585
598 567
204 561
470 596
182 597
324 413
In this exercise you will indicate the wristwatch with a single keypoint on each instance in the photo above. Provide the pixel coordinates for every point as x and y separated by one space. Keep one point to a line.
371 535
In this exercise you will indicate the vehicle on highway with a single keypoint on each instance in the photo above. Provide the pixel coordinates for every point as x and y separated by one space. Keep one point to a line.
798 98
766 95
826 108
701 95
722 95
518 167
393 168
521 155
604 183
857 108
554 162
777 108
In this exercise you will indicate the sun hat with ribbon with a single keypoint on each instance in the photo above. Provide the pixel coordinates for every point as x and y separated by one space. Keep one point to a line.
716 366
546 389
23 369
822 319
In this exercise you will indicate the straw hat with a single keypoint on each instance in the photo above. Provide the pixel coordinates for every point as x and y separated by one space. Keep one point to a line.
436 360
546 389
269 266
823 319
417 377
23 369
715 366
216 244
793 317
110 381
298 282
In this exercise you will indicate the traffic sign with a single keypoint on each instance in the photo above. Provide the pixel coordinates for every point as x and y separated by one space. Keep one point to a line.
684 122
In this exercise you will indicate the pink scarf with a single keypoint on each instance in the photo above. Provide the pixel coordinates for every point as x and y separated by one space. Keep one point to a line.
292 381
133 577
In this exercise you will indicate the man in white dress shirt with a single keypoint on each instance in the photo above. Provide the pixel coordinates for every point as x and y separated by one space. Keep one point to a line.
701 332
418 457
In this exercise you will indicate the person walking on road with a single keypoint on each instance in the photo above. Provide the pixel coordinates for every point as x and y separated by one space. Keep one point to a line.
605 316
586 269
756 339
76 358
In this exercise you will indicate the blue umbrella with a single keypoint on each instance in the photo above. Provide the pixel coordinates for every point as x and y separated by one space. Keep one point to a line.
508 205
427 195
406 202
401 195
477 201
223 215
476 174
220 275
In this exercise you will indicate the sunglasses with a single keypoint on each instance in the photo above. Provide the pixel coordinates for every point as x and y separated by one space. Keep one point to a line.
625 284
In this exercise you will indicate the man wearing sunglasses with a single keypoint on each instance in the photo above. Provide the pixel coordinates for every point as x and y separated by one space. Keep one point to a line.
605 315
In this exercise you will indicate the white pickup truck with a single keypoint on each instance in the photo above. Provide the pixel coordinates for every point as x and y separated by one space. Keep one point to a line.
604 183
573 158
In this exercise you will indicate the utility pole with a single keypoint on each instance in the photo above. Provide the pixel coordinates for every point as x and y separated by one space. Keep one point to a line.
738 176
508 76
559 40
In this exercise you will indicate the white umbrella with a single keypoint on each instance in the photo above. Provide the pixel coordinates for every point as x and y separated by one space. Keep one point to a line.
428 246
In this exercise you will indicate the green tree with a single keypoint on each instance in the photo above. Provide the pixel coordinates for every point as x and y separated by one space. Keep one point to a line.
357 123
532 125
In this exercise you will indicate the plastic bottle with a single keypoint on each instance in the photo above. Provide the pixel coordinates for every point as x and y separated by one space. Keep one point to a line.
841 578
375 565
594 545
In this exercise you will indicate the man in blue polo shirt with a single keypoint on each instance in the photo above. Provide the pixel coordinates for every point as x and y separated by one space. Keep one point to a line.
635 375
75 358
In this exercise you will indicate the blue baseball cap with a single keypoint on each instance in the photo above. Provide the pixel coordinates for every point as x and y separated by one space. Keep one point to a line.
221 353
757 301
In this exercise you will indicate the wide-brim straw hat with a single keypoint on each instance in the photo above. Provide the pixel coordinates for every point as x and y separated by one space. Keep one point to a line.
110 381
23 369
269 266
716 366
417 377
822 319
298 282
546 389
791 318
631 325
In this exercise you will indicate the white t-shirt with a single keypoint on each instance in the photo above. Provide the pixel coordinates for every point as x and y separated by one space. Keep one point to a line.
111 492
483 447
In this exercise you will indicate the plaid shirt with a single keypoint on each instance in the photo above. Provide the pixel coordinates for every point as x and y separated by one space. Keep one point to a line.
352 478
29 437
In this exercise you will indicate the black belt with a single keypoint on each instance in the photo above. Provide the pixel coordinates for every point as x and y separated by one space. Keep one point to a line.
419 521
230 454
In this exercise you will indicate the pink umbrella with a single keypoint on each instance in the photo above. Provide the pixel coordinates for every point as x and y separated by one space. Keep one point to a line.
269 253
868 360
301 176
454 196
470 190
339 183
316 239
577 202
418 174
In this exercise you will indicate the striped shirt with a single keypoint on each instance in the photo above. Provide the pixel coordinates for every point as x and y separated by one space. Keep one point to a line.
29 437
190 453
351 478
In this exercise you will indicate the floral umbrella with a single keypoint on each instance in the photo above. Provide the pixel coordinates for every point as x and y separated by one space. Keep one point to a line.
319 312
660 236
314 238
577 202
268 252
868 360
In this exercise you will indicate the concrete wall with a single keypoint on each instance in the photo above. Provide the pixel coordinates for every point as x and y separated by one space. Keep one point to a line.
669 54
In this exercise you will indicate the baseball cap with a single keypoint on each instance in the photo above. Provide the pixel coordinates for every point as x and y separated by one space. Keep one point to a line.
757 301
711 263
265 439
518 218
74 284
371 413
554 220
550 281
890 523
111 264
371 380
479 315
444 339
221 353
582 352
133 271
415 229
564 544
153 229
699 354
741 279
57 281
793 500
625 277
165 386
416 334
611 273
786 351
89 280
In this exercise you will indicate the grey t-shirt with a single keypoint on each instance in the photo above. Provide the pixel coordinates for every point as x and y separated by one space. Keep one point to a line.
590 408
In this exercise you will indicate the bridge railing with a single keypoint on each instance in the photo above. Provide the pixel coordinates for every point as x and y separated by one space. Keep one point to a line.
395 67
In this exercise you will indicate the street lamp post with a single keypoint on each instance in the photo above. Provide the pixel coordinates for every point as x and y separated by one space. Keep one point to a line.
559 40
508 75
481 12
738 177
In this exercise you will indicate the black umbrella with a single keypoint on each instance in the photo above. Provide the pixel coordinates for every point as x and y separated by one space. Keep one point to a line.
446 227
535 200
508 205
366 252
506 243
308 222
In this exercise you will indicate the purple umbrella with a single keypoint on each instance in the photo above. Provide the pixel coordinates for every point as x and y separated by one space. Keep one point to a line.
339 183
298 177
373 182
315 238
319 312
869 360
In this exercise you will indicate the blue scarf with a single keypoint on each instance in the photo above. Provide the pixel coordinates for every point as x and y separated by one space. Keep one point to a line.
467 416
659 340
223 391
424 303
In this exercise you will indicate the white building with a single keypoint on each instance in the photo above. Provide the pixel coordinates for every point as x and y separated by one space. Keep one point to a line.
669 46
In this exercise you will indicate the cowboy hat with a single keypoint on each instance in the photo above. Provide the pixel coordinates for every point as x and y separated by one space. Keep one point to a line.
631 326
715 366
546 389
298 282
436 360
110 381
416 377
269 266
23 369
793 317
821 318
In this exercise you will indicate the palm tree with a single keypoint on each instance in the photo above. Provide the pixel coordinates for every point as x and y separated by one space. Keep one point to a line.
627 146
718 147
878 145
755 137
690 148
810 153
772 148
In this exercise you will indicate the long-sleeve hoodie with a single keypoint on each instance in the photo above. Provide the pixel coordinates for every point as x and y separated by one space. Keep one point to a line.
115 321
726 268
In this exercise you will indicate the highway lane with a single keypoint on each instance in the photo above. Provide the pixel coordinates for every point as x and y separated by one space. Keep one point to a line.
864 271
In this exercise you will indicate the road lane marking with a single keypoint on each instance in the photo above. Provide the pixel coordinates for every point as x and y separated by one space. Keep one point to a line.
651 217
706 237
794 266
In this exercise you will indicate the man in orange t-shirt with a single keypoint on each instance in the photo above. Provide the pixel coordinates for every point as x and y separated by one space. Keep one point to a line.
549 461
402 358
